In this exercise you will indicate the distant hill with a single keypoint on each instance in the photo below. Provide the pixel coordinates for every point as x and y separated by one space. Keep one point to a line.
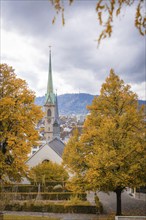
73 103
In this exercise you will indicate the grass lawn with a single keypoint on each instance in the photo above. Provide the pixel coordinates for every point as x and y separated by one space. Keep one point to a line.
16 217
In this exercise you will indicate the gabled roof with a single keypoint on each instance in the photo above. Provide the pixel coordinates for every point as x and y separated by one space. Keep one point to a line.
56 145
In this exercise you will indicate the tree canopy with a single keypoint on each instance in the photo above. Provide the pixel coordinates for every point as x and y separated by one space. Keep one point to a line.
18 119
112 147
48 172
106 12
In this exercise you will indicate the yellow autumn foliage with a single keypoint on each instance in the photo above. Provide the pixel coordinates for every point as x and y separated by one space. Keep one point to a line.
110 155
18 118
48 172
111 152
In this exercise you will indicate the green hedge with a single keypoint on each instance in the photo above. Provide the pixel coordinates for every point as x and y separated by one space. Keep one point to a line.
55 208
31 188
19 188
44 196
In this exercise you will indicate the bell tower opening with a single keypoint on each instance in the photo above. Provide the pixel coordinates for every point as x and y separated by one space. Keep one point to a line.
49 112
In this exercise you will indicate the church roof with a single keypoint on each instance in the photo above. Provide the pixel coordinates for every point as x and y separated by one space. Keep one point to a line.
57 145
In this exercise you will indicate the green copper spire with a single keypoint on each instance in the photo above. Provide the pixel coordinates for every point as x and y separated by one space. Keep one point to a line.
50 96
50 82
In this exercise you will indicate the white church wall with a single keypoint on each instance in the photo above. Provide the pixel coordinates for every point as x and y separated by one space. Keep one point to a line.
45 153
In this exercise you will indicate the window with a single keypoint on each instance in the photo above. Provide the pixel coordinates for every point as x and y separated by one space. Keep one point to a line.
45 161
49 112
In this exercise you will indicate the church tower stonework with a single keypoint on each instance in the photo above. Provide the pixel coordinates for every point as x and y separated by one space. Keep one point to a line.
52 125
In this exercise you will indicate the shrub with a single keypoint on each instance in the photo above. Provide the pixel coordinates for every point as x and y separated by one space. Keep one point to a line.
44 196
75 200
48 187
58 188
19 188
48 171
52 207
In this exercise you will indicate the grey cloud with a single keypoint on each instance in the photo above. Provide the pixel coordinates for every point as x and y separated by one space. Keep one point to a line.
35 16
74 46
27 17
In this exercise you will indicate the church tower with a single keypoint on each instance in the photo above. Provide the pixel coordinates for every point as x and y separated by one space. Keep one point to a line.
52 125
56 124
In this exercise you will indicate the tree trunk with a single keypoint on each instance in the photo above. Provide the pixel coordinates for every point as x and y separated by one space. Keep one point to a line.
118 192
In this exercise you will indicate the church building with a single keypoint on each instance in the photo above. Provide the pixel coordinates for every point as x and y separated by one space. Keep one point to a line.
53 147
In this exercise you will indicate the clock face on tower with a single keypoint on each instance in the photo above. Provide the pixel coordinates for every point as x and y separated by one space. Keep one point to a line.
49 120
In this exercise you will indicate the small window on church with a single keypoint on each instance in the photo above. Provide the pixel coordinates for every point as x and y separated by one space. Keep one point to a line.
49 112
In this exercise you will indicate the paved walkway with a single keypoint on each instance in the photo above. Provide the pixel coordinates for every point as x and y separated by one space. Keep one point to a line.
60 216
90 198
130 205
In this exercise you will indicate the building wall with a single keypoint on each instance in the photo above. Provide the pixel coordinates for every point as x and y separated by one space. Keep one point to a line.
45 153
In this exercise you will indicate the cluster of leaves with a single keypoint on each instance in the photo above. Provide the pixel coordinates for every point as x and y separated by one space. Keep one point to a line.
59 8
73 159
48 172
111 153
18 119
106 10
112 8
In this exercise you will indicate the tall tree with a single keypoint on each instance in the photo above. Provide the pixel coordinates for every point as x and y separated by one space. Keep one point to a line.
112 142
18 119
106 12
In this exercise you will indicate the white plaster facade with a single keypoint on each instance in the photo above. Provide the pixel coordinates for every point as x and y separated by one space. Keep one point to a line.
51 151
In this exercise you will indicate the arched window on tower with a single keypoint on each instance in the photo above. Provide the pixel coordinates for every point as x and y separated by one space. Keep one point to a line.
49 112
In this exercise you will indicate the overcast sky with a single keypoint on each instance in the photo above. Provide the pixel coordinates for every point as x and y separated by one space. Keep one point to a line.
78 65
